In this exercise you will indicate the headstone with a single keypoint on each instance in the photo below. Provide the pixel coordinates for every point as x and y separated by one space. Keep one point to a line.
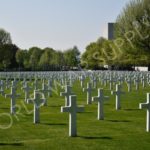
137 81
38 102
89 93
35 84
147 106
72 109
111 81
129 84
49 85
100 99
82 78
143 81
2 88
26 89
118 93
44 90
67 93
94 82
13 97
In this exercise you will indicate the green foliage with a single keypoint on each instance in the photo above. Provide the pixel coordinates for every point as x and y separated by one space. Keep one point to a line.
7 57
131 44
71 57
5 37
132 26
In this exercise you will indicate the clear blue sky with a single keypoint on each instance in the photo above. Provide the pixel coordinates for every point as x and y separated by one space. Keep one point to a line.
59 24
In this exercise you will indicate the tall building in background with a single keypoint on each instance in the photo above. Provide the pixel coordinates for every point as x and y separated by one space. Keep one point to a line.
110 31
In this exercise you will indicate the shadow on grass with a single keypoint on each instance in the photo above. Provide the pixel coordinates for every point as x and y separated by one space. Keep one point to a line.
4 108
54 124
55 106
94 137
11 144
131 109
30 114
118 120
87 112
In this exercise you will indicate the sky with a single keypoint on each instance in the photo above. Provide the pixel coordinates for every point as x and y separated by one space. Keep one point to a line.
59 24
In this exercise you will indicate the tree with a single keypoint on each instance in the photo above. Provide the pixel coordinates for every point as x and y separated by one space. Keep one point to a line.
5 37
71 57
22 58
132 26
47 59
7 59
34 54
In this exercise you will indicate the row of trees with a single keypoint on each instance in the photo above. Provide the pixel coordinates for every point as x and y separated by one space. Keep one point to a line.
131 44
13 58
47 59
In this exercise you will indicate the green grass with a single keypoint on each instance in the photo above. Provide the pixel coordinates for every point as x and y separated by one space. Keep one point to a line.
120 130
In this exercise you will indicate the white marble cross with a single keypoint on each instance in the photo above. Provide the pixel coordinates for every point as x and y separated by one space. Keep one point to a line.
94 81
118 93
44 90
2 88
13 97
67 93
26 89
14 84
72 109
82 78
89 93
147 106
129 84
100 99
143 80
111 80
38 102
49 85
35 84
137 81
7 83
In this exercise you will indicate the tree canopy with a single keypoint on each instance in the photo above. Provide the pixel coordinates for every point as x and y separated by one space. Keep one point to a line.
130 46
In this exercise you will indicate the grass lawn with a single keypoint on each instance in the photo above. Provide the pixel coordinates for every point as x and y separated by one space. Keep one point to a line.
120 130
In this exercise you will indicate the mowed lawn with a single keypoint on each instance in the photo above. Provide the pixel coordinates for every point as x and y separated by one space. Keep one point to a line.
120 130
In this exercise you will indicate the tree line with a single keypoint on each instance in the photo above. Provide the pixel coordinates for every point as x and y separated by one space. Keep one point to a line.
35 58
130 47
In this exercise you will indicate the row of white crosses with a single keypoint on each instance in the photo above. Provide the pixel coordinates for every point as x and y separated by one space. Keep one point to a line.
117 92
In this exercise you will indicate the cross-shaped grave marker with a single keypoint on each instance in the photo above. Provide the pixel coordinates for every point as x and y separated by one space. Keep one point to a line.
49 85
2 87
82 78
72 109
129 83
89 93
118 93
38 102
44 90
147 106
13 97
26 89
67 93
100 99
